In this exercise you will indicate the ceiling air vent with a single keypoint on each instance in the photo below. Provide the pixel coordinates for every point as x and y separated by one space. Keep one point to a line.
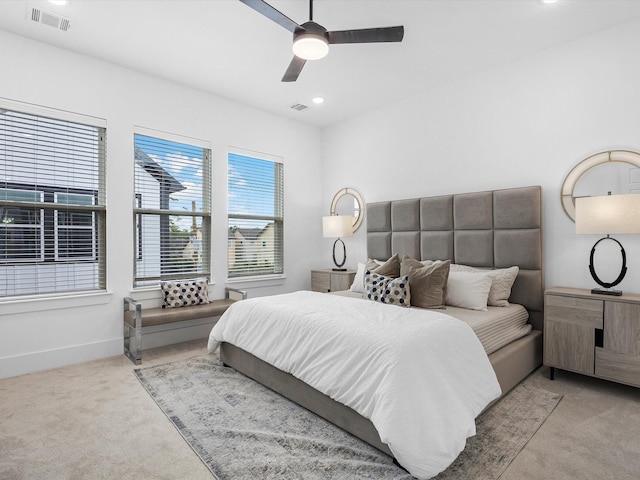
298 106
49 18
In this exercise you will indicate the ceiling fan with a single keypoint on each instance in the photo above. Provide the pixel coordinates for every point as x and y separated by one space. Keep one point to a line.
311 40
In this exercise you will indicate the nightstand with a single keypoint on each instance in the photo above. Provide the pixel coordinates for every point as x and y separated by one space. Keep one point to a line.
327 280
586 333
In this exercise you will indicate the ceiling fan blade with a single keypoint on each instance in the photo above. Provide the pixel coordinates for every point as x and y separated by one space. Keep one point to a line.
367 35
268 11
294 69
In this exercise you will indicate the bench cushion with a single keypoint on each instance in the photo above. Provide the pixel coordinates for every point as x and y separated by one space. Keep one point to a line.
161 316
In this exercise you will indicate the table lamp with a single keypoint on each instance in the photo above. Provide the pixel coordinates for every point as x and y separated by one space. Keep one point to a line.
606 215
338 226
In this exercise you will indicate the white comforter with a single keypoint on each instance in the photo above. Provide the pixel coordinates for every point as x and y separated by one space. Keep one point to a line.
420 376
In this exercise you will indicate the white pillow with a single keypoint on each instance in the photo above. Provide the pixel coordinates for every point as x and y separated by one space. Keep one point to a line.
468 290
502 280
358 281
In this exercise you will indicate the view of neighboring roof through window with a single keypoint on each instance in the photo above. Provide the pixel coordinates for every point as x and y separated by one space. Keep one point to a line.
256 216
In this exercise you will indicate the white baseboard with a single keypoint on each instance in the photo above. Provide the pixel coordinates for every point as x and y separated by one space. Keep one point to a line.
60 357
154 337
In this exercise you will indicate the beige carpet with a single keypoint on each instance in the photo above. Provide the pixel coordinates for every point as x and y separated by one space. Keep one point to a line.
95 421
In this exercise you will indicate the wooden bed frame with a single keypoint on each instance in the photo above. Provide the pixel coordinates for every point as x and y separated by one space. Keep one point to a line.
495 229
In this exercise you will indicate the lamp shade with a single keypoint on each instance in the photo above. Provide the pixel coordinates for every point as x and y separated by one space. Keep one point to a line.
336 226
610 214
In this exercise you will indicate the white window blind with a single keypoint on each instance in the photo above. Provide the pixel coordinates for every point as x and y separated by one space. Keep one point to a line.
172 206
256 216
52 205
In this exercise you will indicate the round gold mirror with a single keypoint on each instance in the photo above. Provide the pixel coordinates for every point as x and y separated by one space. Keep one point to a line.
599 174
348 202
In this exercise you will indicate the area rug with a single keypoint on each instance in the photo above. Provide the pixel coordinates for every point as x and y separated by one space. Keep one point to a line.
242 430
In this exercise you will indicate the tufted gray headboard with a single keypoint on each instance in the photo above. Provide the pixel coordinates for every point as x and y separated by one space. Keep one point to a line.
495 229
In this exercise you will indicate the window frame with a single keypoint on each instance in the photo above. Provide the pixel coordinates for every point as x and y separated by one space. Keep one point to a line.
49 225
138 232
56 229
39 226
257 273
90 144
140 212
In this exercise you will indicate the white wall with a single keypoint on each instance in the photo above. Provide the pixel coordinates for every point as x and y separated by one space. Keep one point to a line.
526 123
37 334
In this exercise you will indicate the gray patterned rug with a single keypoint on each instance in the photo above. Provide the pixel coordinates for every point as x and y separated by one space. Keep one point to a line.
242 430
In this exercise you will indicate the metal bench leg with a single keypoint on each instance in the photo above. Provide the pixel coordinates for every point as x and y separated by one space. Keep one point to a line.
134 355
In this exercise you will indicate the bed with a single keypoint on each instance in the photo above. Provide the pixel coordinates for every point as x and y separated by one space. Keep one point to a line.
485 230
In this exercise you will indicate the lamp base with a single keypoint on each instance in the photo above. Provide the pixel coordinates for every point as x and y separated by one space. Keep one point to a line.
599 291
339 266
607 285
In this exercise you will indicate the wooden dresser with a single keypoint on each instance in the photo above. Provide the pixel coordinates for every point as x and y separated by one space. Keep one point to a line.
327 280
597 335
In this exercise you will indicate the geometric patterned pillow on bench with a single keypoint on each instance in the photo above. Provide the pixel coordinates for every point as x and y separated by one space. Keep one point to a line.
184 293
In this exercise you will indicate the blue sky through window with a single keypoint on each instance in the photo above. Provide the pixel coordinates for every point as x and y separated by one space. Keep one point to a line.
252 182
184 163
251 188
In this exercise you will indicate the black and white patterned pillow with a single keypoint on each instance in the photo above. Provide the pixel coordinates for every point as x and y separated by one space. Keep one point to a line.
184 293
380 288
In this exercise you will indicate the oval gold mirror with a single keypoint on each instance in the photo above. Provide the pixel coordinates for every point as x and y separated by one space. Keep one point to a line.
599 174
348 202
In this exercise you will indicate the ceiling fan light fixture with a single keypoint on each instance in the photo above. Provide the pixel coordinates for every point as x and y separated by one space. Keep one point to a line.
311 40
310 46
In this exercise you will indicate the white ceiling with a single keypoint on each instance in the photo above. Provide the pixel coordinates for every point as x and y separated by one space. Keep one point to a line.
226 48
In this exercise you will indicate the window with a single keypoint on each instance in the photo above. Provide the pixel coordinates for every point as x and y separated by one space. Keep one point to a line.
172 207
256 216
52 203
75 231
21 229
138 200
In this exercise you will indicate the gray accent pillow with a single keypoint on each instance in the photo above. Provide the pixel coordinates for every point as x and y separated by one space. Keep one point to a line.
394 291
427 280
502 280
390 268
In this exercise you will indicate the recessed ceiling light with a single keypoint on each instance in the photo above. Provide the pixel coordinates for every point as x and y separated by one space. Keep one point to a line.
317 100
549 1
58 2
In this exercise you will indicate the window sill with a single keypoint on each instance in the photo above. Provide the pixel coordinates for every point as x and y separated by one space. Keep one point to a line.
146 292
257 281
39 303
